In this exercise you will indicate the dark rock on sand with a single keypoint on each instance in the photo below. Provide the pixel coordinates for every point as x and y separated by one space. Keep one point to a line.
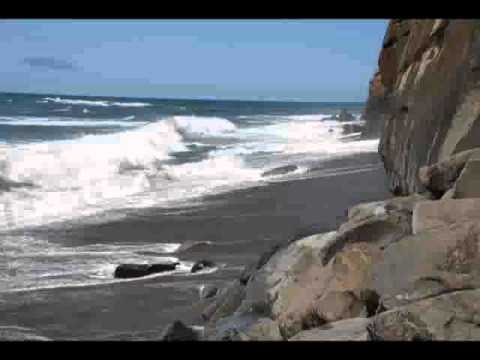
202 264
178 331
282 170
138 270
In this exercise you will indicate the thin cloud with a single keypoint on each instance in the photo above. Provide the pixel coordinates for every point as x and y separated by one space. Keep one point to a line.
49 63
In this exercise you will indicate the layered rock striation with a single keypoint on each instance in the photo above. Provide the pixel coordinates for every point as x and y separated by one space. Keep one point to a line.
424 100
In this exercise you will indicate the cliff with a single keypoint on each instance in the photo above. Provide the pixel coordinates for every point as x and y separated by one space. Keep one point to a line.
424 100
407 268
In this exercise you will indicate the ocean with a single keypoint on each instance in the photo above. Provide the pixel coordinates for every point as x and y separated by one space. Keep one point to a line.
88 183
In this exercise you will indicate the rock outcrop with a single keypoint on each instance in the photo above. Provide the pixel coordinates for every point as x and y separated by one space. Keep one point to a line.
398 269
407 268
424 102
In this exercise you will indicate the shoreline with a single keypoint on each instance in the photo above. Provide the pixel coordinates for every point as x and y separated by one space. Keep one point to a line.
240 225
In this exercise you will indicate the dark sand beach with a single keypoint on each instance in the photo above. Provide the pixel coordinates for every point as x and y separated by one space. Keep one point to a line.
238 227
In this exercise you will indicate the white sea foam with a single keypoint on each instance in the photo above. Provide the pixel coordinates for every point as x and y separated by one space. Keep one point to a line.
83 176
26 268
80 177
66 121
203 126
100 103
130 104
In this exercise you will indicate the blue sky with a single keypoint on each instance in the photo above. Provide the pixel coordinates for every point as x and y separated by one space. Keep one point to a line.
310 60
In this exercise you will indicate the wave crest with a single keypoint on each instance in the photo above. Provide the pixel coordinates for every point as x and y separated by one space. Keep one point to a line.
100 103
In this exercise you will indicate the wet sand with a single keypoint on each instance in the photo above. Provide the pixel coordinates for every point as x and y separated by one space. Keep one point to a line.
239 225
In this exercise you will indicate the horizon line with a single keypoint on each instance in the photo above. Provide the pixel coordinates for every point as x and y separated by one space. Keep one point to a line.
179 98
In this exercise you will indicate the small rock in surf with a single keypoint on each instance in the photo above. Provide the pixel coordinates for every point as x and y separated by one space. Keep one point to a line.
202 264
138 270
280 170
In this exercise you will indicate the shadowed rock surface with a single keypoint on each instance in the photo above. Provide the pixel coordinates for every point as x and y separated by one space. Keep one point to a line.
343 330
137 270
423 100
178 331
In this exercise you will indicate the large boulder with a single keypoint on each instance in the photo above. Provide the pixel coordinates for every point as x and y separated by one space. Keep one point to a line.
344 330
327 277
281 269
428 264
337 291
225 302
138 270
450 316
250 270
380 222
468 183
440 177
437 215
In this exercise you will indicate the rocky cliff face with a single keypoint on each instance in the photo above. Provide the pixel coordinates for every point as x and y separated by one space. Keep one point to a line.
424 100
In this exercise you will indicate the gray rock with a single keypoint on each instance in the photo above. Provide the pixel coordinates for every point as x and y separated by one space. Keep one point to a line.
178 331
250 270
245 327
344 330
423 99
428 264
192 246
225 303
262 291
450 316
437 215
208 291
202 264
468 183
382 227
440 177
